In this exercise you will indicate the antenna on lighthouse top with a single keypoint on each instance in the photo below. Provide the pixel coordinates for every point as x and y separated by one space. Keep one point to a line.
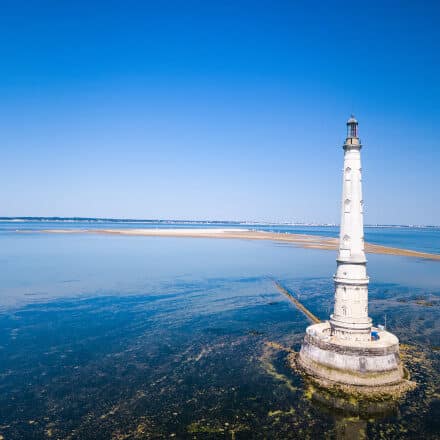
352 127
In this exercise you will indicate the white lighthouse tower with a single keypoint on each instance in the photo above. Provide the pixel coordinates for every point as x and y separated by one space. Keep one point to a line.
348 350
350 318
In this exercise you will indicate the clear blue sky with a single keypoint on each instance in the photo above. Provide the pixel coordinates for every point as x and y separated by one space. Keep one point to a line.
218 110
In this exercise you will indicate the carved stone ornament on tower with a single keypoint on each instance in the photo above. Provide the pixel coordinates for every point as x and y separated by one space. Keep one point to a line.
347 349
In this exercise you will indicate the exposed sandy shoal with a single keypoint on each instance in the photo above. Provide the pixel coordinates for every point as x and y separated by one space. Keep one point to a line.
300 240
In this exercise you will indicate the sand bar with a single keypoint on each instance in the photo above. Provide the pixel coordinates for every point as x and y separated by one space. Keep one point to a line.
300 240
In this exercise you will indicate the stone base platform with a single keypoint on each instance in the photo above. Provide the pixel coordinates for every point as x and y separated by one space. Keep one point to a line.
367 366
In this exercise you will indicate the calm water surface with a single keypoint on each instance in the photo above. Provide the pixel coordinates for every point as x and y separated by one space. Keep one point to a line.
142 337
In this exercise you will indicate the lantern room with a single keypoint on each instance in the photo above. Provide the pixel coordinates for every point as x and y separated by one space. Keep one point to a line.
352 127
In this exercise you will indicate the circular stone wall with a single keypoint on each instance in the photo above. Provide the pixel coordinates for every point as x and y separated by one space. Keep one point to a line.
373 363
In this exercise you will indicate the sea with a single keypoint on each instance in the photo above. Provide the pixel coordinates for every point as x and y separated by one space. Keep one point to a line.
130 337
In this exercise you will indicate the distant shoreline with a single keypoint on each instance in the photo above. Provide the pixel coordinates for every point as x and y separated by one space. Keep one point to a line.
250 223
300 240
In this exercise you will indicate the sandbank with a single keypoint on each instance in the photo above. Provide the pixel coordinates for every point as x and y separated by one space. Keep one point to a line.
300 240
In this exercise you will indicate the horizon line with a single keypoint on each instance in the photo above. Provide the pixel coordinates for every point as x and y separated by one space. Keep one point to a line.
170 220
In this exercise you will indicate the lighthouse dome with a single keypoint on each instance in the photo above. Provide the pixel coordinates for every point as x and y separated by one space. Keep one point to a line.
352 120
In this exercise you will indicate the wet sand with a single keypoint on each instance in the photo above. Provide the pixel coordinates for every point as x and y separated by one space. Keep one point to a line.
300 240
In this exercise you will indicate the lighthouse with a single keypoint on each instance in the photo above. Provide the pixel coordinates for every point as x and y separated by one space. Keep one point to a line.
347 349
350 319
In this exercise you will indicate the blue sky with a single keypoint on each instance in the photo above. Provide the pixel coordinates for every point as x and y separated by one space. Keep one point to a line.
218 110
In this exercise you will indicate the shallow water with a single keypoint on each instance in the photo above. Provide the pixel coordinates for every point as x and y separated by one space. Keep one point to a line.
143 337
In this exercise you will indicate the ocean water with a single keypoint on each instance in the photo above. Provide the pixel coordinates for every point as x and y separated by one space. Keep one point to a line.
152 337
